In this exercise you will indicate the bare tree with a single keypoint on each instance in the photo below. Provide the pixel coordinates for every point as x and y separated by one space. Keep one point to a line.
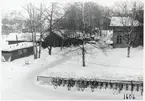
91 23
53 17
83 48
127 20
31 10
41 21
83 20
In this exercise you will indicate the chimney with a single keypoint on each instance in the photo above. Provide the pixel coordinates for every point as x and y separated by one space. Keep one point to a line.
17 39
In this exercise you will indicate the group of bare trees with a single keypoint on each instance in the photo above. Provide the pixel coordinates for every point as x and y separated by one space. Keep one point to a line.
82 18
40 19
76 17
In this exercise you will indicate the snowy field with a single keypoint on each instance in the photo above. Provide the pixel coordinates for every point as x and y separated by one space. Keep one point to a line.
19 79
17 72
112 65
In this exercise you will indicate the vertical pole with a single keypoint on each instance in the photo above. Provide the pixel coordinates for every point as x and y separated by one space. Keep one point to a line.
17 39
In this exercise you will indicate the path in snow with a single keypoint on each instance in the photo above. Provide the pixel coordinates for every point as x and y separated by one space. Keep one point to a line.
27 84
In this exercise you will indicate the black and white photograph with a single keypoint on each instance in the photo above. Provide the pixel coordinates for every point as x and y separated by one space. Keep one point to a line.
72 49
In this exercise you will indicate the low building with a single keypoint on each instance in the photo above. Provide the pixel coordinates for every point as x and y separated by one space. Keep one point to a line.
55 40
62 38
17 45
121 26
15 51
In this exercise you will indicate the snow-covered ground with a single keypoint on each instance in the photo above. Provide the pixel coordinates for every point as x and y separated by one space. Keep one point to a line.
112 65
19 79
15 71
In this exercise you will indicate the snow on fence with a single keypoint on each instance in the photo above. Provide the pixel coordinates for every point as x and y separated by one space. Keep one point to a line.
83 83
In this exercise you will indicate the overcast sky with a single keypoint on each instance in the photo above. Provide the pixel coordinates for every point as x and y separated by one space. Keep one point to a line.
8 5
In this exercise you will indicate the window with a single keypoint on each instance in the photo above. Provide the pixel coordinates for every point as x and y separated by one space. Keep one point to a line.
119 39
20 52
25 50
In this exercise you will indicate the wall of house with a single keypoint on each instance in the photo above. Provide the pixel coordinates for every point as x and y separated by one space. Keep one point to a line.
123 43
136 38
53 40
15 54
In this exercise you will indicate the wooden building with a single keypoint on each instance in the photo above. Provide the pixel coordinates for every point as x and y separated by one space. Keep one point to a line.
120 25
55 40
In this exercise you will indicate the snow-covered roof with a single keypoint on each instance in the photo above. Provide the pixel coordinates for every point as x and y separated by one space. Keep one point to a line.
123 21
107 32
14 36
12 47
21 36
59 33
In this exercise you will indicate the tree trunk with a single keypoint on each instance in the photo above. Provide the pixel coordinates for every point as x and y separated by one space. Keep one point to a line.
34 50
40 45
128 51
40 48
36 55
62 43
83 56
129 44
83 48
50 49
50 30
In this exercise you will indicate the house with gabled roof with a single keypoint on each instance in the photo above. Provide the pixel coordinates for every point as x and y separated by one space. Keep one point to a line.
120 26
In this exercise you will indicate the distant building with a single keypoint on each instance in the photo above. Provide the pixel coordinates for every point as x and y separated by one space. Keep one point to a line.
119 25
